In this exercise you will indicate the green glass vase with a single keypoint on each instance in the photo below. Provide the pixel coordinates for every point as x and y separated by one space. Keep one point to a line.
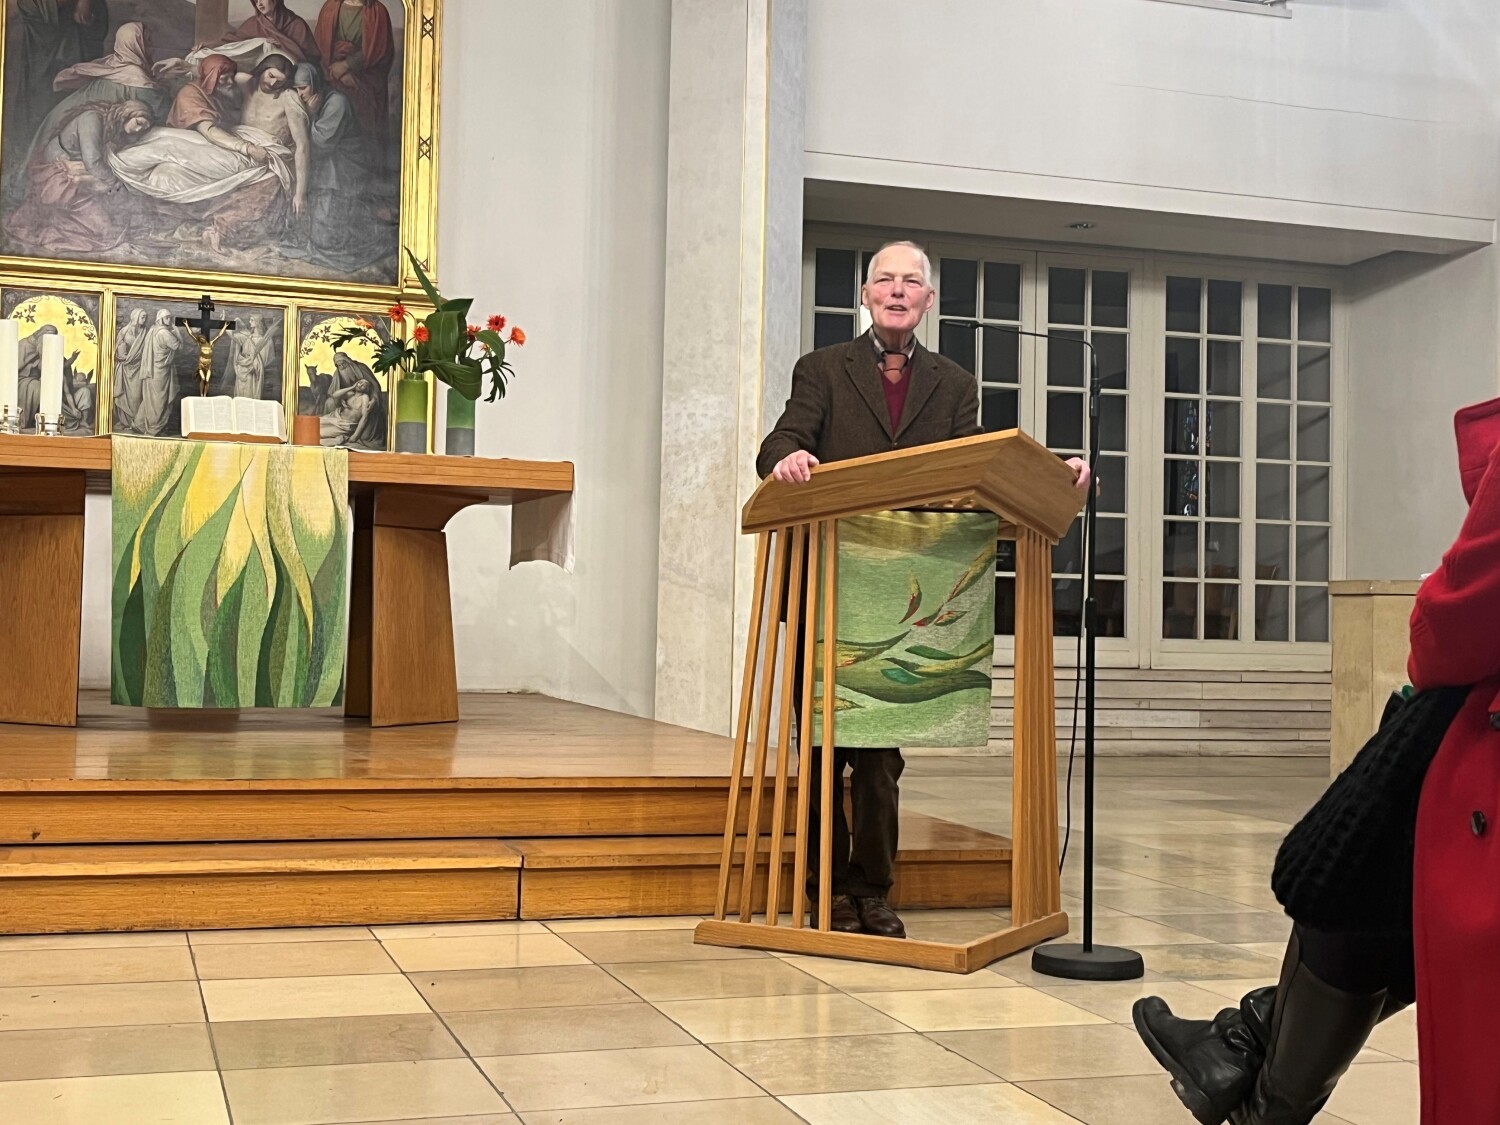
460 439
411 415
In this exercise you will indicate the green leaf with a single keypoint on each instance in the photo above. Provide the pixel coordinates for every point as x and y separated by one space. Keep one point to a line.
464 379
348 336
847 653
928 653
459 306
839 704
447 333
982 565
427 287
493 341
891 690
914 599
391 355
949 666
900 675
907 688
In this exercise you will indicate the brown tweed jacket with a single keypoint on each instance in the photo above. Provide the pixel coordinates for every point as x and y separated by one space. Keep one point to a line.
837 409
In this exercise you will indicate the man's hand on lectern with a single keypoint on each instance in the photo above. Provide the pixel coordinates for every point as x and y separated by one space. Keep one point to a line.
795 468
1080 468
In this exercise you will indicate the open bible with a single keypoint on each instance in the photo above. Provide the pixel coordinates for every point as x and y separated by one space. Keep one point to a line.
249 419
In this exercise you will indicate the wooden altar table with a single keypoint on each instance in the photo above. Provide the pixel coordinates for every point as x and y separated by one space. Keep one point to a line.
401 666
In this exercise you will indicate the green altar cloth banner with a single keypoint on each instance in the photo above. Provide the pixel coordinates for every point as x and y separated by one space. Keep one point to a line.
916 630
229 564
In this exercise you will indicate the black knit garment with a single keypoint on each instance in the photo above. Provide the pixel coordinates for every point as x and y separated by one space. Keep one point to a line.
1347 864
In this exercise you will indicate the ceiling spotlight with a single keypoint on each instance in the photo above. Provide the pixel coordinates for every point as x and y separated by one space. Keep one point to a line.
1085 225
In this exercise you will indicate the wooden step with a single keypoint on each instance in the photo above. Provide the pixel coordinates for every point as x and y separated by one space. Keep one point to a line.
83 888
224 811
939 865
1151 711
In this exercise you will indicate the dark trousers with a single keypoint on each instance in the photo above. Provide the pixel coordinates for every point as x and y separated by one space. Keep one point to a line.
1361 962
864 855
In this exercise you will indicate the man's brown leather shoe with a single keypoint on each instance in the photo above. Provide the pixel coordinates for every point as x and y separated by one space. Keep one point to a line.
879 919
845 915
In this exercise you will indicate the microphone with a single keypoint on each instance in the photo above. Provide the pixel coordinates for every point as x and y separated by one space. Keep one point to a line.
1086 961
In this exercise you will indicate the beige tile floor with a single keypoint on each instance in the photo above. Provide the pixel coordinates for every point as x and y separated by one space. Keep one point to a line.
623 1022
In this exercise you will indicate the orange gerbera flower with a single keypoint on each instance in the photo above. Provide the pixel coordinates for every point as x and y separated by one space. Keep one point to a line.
473 332
517 337
497 324
397 311
421 335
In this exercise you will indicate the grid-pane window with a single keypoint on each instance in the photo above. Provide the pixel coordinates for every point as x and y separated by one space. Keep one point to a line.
1293 463
1091 306
988 293
1246 430
1202 464
837 276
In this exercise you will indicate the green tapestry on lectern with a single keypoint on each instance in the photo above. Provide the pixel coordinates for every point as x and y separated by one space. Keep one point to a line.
229 564
915 630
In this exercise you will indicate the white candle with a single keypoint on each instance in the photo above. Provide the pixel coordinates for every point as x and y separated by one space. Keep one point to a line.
52 376
10 393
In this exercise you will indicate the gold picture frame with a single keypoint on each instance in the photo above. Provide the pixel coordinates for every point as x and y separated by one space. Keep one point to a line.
110 297
307 316
420 76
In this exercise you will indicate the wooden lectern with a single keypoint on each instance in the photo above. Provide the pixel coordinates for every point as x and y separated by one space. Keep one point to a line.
1034 495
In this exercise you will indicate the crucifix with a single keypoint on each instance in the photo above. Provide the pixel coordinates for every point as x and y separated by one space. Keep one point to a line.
205 324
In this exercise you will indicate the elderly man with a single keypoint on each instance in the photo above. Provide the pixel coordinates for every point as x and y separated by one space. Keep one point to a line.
882 391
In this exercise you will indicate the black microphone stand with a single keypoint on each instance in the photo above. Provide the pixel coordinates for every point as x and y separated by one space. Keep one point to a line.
1083 961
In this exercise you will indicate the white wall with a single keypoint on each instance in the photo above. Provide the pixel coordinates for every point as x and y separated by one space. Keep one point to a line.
1422 343
552 205
733 327
93 665
552 198
1381 110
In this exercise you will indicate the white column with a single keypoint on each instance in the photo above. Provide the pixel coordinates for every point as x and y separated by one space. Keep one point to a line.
732 325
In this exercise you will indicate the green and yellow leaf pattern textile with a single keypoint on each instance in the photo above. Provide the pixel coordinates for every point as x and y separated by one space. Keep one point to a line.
916 630
229 566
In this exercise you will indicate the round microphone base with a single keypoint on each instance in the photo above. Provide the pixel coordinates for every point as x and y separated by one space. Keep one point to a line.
1074 962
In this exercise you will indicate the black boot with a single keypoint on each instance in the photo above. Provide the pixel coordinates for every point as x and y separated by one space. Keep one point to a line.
1316 1032
1213 1063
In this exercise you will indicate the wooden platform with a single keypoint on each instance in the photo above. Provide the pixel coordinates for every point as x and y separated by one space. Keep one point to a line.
527 808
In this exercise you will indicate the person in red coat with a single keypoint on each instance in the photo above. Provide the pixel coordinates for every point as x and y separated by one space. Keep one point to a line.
280 26
355 40
1455 641
1276 1059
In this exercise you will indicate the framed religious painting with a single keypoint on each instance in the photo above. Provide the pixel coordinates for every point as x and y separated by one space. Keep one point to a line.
75 315
153 361
285 146
336 378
